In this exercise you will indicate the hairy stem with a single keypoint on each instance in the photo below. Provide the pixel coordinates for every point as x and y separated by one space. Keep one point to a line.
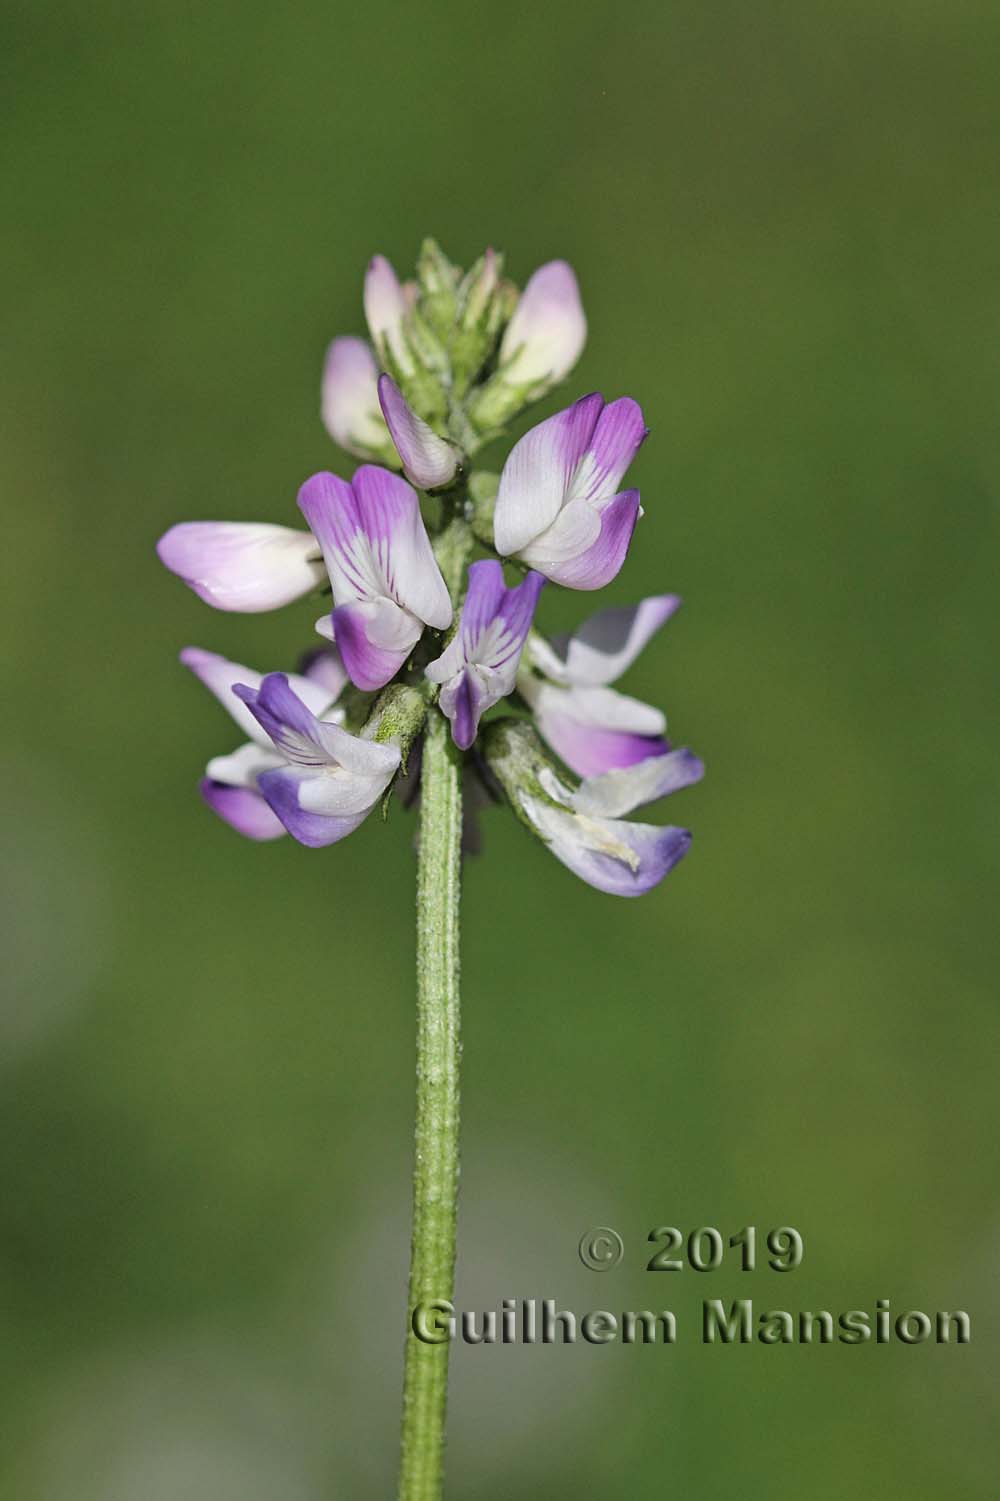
435 1170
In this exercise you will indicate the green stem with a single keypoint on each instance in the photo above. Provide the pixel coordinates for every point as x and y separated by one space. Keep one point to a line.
435 1170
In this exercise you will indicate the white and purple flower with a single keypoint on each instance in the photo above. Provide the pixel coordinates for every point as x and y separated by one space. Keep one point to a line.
592 727
230 785
386 582
479 665
585 827
247 566
327 780
558 506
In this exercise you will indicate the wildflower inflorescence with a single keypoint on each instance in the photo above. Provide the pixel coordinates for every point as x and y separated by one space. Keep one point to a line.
416 628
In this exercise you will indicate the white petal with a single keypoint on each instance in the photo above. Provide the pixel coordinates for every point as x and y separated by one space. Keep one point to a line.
243 766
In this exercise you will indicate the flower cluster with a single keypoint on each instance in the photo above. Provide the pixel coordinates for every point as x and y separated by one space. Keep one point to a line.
415 627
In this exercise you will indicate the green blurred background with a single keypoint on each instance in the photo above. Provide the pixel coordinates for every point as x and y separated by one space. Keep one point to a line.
784 219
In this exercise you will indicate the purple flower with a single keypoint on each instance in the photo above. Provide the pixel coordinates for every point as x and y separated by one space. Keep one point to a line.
386 583
544 338
428 460
479 665
230 785
246 566
590 726
584 827
558 507
349 400
328 780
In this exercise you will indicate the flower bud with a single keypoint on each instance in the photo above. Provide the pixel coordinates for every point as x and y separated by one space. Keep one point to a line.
541 344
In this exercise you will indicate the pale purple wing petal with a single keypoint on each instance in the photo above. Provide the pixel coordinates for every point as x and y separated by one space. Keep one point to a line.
243 809
242 566
219 675
535 480
607 644
619 791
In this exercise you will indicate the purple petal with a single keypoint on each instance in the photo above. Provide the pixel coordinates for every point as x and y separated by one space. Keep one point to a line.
243 809
369 666
291 726
617 792
464 702
429 461
546 335
616 440
622 859
590 750
607 644
316 830
242 566
598 564
535 480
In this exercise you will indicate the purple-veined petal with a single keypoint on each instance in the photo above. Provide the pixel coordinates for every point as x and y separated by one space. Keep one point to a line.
390 511
615 441
375 543
623 859
600 562
349 401
428 460
601 649
243 809
619 791
536 478
243 566
545 337
386 306
281 789
242 767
